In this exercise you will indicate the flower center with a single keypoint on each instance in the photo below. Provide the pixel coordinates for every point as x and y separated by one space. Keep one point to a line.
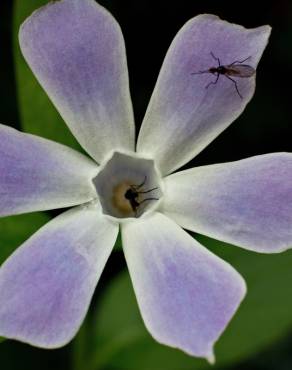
128 186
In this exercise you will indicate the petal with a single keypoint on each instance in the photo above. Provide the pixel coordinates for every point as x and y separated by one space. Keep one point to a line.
76 50
183 116
38 174
247 203
186 294
47 284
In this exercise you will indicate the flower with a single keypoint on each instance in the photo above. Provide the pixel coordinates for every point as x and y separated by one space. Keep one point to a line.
186 294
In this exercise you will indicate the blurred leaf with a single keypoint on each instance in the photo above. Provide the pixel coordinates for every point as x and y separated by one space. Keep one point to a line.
265 315
79 346
118 338
14 230
37 114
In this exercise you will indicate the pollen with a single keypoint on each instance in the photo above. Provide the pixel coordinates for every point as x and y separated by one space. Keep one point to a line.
127 186
119 200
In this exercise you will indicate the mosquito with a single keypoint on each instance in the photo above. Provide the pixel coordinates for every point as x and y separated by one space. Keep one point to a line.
235 69
133 193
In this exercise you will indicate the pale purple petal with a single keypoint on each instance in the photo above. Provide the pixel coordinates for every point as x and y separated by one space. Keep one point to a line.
47 284
76 50
247 203
186 294
183 116
37 174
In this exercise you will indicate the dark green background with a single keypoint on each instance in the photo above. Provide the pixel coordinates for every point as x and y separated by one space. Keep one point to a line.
113 337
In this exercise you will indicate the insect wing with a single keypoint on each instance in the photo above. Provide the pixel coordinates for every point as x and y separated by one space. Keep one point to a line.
240 70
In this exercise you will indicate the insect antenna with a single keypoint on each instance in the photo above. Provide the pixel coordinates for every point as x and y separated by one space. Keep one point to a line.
218 60
207 70
200 72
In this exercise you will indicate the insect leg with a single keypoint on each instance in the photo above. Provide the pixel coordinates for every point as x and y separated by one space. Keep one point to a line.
145 200
218 60
239 61
148 191
213 82
235 84
136 187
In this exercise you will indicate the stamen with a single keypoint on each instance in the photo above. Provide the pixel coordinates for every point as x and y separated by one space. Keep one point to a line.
132 195
126 185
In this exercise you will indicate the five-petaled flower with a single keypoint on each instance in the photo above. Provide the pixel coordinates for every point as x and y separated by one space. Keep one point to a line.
186 294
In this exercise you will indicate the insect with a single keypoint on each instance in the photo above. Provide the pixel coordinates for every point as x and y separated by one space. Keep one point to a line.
133 193
235 69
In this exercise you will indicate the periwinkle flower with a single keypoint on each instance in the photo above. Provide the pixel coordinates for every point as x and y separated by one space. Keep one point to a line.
186 294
